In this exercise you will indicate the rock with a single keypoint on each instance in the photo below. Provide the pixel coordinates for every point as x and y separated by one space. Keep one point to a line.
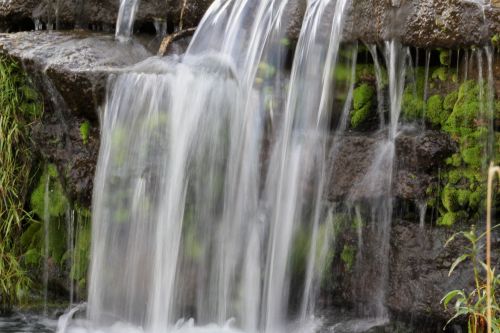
423 23
417 159
419 23
97 15
71 71
418 277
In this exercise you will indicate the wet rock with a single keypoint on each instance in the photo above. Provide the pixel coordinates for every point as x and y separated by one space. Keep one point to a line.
418 277
417 159
71 71
423 23
419 270
97 15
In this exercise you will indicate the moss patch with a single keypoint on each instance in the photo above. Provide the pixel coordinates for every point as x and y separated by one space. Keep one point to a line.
362 104
85 131
57 201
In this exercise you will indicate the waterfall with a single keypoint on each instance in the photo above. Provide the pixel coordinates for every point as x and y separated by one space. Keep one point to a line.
190 218
125 21
46 244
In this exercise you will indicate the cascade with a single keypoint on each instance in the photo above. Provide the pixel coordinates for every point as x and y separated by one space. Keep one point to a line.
125 21
203 228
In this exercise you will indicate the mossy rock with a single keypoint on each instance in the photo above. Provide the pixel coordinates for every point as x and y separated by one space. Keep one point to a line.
348 256
57 201
435 112
413 106
444 57
466 111
440 74
363 104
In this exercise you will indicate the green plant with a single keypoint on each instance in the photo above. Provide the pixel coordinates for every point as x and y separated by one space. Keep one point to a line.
473 305
85 131
20 108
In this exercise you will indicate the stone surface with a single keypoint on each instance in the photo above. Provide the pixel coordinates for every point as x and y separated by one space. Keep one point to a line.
420 23
417 156
419 264
100 15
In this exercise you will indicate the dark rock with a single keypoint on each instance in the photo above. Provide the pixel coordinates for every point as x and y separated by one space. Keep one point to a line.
417 159
98 15
418 278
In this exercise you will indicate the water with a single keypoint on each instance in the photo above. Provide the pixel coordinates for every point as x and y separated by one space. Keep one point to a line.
46 244
26 323
126 17
211 176
189 220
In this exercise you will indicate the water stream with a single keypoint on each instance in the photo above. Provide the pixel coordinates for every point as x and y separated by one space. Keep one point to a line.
212 171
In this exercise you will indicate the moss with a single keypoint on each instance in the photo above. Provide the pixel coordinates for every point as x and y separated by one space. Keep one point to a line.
362 103
265 71
82 254
435 113
347 256
448 219
444 57
58 202
85 131
450 100
440 73
473 156
412 106
464 118
495 40
450 199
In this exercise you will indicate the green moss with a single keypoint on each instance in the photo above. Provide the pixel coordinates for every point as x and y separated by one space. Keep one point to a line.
495 40
473 156
440 73
450 100
265 71
347 256
435 113
449 219
444 57
58 202
362 103
450 199
79 269
342 73
85 131
412 106
464 118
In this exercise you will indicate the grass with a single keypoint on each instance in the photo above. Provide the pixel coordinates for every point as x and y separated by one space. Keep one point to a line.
20 107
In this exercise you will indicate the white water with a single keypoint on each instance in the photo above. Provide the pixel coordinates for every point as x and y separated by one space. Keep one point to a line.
46 225
189 220
126 18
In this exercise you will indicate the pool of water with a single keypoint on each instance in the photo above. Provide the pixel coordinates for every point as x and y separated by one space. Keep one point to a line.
27 323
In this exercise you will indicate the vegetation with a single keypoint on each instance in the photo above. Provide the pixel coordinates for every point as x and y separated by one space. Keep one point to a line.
20 107
362 103
85 131
463 183
473 305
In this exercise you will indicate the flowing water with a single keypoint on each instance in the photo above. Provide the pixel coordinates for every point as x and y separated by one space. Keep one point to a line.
46 240
208 209
126 17
190 219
